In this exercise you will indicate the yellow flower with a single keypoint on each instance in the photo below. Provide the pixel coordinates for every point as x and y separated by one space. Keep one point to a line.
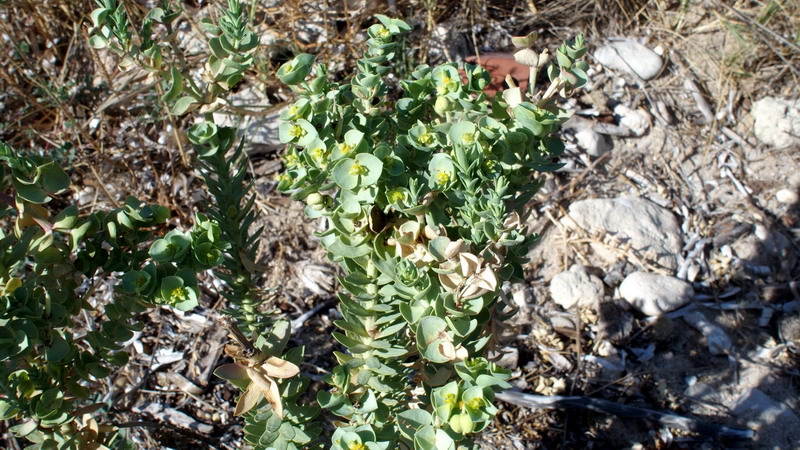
318 153
345 148
178 295
296 131
442 178
358 169
475 403
383 33
395 195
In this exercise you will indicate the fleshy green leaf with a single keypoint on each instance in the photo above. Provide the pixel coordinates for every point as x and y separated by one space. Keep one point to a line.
184 105
344 175
411 420
175 87
296 70
235 373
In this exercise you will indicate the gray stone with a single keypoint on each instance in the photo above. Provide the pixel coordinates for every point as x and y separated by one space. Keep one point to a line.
593 142
630 56
547 254
717 341
589 140
655 294
576 286
775 422
649 229
636 120
508 357
614 321
777 121
787 196
260 131
765 251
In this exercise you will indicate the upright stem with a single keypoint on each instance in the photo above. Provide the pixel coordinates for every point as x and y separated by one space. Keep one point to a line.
532 74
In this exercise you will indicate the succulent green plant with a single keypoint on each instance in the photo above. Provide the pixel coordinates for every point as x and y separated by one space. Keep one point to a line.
423 200
229 218
47 261
222 161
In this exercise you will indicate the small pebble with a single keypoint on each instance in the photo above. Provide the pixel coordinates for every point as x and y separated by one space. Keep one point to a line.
761 232
787 196
630 56
636 120
717 341
576 286
655 294
593 142
777 121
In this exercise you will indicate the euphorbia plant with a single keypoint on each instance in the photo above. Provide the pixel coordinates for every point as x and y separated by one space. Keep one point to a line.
47 262
424 202
273 417
423 199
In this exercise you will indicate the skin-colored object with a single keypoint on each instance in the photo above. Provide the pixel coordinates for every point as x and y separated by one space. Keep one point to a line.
499 65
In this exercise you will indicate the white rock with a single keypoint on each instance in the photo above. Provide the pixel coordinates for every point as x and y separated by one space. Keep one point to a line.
268 37
311 33
521 296
174 416
261 132
576 286
764 251
562 323
593 142
611 367
630 56
636 120
777 121
548 253
86 195
717 341
508 357
648 228
165 356
655 294
787 196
